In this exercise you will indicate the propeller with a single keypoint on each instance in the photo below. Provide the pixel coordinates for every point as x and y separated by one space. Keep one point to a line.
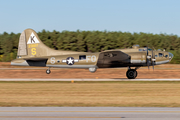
147 58
152 58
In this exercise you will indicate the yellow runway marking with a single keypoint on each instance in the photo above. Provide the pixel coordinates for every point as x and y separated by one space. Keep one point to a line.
103 111
52 117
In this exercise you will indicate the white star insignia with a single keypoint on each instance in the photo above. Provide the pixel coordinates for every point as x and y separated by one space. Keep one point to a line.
70 61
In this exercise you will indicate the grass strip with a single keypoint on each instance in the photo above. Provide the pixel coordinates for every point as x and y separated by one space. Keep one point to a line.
90 93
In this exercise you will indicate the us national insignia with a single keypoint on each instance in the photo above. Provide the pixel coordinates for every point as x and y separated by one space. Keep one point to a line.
70 61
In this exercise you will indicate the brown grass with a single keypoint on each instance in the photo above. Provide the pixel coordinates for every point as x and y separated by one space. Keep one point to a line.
84 73
162 94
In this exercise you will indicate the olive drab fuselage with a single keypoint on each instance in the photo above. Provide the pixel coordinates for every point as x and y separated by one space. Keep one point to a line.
33 52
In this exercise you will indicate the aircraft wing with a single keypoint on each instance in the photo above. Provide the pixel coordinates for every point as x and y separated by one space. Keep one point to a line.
113 59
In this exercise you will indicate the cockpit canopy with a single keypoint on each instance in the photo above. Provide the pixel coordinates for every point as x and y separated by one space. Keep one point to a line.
157 53
145 49
141 49
135 46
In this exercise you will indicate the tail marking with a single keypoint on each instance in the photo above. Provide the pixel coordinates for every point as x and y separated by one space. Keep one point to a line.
32 39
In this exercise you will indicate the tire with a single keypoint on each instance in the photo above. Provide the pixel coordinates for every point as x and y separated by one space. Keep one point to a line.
92 70
136 74
131 74
48 71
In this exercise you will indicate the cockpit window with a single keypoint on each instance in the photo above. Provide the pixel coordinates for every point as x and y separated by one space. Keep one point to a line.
160 55
156 55
166 56
143 49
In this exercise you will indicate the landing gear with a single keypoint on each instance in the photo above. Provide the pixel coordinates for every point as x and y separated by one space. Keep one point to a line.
131 73
48 71
93 69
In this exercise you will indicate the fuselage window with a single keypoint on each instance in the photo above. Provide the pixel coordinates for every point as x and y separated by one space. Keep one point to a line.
160 55
166 56
82 57
156 55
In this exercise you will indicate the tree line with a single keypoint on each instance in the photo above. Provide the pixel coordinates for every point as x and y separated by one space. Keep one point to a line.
92 41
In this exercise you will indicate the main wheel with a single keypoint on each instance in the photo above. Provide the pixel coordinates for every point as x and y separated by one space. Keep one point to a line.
131 74
48 71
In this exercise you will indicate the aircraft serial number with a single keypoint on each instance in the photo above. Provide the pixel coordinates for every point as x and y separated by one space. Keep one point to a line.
33 45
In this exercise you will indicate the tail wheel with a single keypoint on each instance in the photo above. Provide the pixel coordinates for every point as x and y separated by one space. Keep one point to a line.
93 69
48 71
131 74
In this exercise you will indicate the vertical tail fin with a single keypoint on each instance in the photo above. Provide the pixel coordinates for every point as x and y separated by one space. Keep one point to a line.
31 46
33 52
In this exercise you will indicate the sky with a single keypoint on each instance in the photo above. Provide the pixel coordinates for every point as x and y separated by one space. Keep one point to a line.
148 16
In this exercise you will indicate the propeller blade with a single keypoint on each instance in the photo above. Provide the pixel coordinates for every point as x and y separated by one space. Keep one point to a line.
152 59
147 58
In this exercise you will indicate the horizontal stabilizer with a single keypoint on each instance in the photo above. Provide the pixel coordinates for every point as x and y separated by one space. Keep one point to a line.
36 59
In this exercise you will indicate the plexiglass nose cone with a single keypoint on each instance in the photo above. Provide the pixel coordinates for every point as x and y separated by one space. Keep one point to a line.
170 56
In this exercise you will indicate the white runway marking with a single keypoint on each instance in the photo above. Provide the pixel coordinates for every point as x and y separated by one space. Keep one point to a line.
93 113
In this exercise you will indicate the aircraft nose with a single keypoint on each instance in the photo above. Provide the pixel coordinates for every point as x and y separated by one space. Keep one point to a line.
170 56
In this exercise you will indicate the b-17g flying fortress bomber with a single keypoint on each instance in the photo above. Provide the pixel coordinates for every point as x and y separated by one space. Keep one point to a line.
32 52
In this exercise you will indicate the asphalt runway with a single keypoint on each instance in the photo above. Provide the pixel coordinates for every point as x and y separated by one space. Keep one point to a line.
72 79
89 113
